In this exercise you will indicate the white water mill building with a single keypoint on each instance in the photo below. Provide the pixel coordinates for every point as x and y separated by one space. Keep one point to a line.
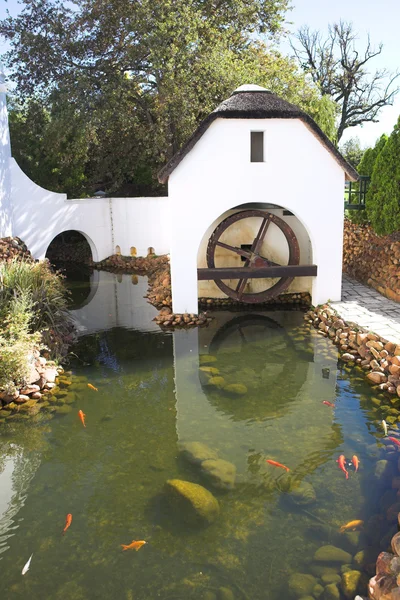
258 187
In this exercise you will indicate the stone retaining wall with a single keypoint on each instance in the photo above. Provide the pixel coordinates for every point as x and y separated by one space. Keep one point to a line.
380 360
372 259
14 248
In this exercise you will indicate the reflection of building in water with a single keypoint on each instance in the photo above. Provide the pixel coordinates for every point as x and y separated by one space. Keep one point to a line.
285 389
115 301
16 471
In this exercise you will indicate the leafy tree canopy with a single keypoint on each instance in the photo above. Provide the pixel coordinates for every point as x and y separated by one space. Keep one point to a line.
112 88
370 155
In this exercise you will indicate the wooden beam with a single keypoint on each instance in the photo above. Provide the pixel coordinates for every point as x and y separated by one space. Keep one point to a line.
257 272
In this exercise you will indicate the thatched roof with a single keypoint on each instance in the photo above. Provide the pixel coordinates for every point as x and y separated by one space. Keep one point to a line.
254 102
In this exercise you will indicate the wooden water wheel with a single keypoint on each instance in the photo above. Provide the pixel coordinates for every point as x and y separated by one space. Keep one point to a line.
255 265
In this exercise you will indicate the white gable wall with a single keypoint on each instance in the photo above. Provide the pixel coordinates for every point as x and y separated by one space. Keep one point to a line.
299 174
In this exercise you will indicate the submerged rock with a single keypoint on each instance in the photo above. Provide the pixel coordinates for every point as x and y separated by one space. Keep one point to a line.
350 583
220 473
332 554
207 359
196 452
303 494
209 370
384 470
62 410
301 584
217 382
331 592
225 593
195 504
236 389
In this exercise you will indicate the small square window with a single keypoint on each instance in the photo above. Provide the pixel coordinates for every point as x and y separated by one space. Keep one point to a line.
257 146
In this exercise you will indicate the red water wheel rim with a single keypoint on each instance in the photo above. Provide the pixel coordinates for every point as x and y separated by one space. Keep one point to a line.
253 256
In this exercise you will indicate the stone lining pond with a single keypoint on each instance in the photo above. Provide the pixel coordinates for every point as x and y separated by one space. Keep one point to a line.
207 407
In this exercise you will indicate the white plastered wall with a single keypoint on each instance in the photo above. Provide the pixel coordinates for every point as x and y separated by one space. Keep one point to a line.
298 174
40 215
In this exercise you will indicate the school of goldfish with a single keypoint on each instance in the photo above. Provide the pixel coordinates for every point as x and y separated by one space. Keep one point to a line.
342 464
134 545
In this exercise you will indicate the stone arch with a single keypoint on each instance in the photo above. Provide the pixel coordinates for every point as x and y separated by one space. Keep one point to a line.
208 289
72 234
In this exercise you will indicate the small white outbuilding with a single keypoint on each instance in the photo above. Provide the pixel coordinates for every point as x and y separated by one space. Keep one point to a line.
256 151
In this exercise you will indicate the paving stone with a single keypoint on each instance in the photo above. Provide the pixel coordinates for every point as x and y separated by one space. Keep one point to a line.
365 307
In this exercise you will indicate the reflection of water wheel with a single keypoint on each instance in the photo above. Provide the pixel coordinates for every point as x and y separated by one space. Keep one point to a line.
255 350
252 255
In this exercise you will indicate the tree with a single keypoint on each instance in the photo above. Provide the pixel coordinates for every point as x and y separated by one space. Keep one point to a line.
137 78
370 155
383 197
352 151
342 72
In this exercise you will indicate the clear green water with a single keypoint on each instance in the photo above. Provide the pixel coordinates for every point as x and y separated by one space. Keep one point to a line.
151 396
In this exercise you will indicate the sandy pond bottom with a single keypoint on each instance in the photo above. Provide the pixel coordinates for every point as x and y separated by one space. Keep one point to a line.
154 395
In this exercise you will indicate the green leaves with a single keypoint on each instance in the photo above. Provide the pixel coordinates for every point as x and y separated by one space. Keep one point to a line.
111 90
383 197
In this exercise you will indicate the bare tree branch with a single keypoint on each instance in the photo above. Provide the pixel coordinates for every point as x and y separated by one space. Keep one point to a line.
341 72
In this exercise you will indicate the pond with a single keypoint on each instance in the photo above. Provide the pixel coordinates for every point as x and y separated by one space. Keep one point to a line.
158 392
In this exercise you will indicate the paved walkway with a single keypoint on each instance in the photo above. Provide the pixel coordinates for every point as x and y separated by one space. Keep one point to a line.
368 308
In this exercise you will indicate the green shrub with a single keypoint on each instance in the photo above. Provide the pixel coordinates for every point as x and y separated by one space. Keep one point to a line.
383 197
17 343
365 168
46 295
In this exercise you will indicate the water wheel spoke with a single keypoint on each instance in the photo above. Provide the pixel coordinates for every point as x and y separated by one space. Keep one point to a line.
240 251
258 240
240 287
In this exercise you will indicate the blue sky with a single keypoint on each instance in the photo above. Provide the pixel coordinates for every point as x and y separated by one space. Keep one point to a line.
379 19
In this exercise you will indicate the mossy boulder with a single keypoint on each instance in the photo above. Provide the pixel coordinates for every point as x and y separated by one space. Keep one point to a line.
317 591
384 470
330 578
192 502
217 382
62 410
302 494
225 593
207 359
331 592
350 583
331 554
209 370
220 473
236 389
196 452
301 584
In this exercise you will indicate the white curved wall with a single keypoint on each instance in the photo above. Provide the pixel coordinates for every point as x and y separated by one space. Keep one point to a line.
298 173
40 215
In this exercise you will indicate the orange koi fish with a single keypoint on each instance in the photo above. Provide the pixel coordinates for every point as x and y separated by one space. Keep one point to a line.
68 522
82 417
92 387
134 545
277 464
394 440
351 525
355 462
328 403
342 464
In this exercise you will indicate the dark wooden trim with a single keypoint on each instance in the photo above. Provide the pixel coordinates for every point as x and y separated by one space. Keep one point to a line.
257 272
